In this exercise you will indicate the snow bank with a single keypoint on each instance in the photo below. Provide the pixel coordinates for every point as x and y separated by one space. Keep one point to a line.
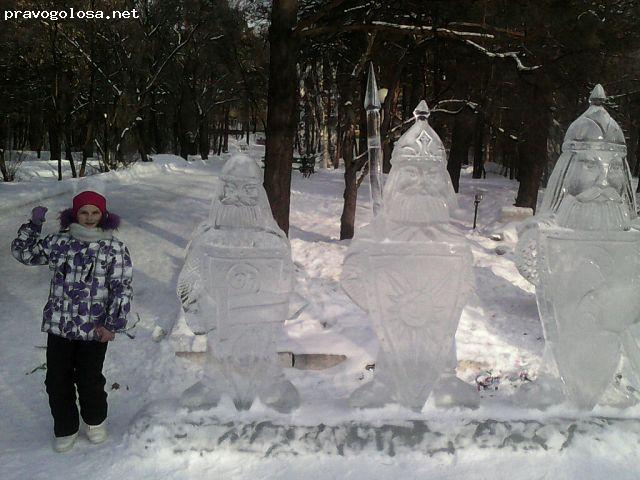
41 184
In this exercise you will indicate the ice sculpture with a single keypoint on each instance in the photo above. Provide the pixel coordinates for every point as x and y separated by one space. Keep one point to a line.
582 253
234 288
412 273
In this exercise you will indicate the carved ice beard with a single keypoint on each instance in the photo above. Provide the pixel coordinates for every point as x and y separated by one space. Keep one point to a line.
238 205
594 209
241 216
416 208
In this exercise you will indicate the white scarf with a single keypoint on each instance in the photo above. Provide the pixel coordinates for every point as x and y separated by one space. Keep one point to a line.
85 234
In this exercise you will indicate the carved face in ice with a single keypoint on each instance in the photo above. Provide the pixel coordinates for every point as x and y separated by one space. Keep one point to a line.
239 191
240 200
412 194
596 176
239 203
595 186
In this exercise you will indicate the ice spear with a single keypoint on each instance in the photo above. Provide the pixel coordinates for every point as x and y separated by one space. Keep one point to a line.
374 144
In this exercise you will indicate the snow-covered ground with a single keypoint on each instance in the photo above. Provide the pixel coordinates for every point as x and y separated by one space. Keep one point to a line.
499 336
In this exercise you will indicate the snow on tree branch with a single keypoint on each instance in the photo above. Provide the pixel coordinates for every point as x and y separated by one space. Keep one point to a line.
178 47
431 28
490 54
77 46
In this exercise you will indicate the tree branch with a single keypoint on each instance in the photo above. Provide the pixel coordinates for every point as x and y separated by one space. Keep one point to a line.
89 59
307 22
166 60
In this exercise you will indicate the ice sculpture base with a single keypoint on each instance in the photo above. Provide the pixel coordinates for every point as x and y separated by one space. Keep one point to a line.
450 391
186 430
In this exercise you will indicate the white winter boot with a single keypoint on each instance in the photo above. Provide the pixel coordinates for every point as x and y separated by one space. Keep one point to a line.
64 444
97 433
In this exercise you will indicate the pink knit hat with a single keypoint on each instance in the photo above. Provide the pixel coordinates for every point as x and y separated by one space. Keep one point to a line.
89 198
109 220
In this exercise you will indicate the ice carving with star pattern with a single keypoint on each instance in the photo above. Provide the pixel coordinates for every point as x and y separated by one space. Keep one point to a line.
412 273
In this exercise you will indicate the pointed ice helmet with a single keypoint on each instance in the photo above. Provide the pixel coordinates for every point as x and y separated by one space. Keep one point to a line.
595 129
419 171
242 166
420 143
593 155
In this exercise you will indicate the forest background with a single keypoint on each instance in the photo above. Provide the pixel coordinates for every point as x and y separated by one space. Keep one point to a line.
503 79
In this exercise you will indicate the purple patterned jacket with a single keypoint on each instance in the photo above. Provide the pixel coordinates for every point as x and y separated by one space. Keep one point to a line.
91 283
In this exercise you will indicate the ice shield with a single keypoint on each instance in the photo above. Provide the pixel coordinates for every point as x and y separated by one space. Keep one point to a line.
251 295
588 289
415 302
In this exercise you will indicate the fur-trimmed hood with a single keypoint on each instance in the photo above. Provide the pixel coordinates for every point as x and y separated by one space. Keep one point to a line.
109 221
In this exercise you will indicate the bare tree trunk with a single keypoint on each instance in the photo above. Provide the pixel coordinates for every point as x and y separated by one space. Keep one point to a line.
282 111
106 156
460 142
478 145
532 151
325 133
68 136
350 116
213 128
55 148
637 153
203 137
87 147
225 141
220 137
36 131
350 195
140 134
68 147
247 121
338 152
389 111
634 156
3 137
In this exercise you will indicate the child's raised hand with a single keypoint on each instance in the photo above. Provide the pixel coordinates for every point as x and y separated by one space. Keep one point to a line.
105 335
38 214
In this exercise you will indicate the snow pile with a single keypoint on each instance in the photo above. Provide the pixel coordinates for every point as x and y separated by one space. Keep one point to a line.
39 179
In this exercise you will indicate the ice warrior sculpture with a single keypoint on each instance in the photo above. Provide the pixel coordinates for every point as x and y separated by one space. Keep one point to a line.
412 273
582 253
235 288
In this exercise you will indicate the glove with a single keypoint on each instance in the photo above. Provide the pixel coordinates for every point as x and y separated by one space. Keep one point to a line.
37 215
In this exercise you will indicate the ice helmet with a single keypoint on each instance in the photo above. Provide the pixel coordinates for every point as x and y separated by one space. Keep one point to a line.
420 143
595 129
243 166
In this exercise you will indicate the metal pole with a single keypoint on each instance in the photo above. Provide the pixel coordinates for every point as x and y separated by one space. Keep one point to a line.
475 214
476 201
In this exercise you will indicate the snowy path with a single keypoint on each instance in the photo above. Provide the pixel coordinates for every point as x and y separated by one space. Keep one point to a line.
499 331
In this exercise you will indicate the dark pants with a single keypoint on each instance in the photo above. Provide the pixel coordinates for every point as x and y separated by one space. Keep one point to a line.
72 363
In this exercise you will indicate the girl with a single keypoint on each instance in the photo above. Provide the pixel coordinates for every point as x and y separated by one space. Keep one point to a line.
89 298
